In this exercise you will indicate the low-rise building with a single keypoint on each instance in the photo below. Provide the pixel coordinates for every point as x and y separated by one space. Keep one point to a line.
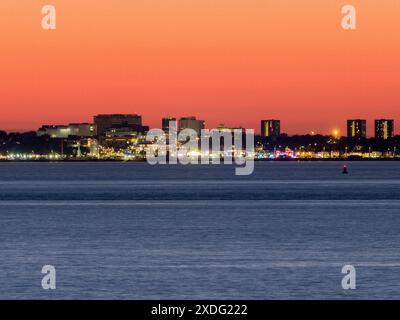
64 131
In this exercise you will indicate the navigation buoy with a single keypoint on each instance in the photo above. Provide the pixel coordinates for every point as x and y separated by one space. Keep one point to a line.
345 171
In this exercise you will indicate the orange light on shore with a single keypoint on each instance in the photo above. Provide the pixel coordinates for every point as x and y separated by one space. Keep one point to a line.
336 133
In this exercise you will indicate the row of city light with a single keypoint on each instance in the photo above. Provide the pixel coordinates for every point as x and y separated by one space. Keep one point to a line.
192 154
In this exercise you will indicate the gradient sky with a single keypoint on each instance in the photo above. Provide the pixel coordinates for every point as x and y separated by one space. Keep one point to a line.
225 61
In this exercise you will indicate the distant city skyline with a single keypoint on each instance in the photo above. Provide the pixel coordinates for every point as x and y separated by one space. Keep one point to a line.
298 126
358 128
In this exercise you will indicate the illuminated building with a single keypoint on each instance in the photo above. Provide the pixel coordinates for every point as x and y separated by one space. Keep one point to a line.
82 129
127 131
356 128
384 129
121 138
105 122
125 142
53 131
191 123
64 131
270 128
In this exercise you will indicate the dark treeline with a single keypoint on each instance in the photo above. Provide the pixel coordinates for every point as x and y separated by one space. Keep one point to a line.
30 143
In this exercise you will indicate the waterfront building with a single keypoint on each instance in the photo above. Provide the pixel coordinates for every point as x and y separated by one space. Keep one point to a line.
357 128
64 131
124 138
105 122
270 128
384 129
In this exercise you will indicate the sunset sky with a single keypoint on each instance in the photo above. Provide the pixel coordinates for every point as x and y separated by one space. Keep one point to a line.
224 61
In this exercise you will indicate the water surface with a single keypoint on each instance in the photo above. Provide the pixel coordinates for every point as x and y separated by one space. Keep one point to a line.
134 231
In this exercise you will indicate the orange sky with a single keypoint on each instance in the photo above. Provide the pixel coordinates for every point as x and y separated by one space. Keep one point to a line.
229 61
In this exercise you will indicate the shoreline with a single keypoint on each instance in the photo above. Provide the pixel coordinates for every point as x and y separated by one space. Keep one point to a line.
255 160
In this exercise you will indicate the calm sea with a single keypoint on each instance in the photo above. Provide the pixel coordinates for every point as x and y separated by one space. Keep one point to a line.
133 231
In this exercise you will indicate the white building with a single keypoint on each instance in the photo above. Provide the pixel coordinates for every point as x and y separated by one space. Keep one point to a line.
64 131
